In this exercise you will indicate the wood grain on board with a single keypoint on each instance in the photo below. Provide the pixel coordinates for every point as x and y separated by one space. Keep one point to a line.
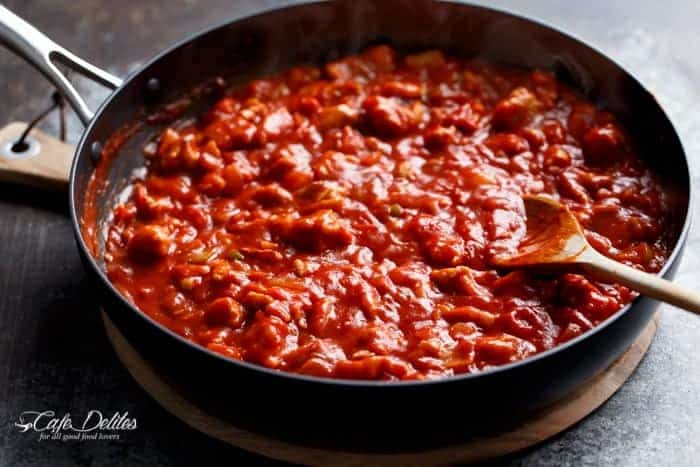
48 168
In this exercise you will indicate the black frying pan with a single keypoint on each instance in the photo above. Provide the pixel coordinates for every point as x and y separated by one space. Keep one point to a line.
355 414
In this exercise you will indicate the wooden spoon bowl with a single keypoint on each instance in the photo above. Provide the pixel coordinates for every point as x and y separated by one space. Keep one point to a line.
555 240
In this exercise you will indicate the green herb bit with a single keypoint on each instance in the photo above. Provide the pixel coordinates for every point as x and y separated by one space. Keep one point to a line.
395 210
236 255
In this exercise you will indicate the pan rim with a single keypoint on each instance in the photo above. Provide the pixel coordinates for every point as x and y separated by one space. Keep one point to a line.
81 148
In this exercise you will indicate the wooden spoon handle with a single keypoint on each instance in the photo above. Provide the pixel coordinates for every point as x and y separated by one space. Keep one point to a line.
46 162
643 282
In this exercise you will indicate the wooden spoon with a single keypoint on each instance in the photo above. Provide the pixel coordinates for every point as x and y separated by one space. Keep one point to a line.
555 240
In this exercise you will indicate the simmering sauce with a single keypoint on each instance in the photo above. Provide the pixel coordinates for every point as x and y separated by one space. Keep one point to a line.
339 221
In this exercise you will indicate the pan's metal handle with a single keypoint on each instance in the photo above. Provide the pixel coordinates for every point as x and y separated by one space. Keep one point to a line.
43 53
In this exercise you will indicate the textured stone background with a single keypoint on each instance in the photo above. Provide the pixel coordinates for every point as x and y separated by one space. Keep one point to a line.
54 355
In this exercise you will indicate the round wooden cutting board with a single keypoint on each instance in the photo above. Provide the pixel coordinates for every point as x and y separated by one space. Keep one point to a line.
545 424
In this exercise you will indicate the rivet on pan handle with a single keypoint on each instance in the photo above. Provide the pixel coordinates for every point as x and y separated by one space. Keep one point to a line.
43 53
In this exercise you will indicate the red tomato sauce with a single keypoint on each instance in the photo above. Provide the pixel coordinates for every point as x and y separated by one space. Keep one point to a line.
339 221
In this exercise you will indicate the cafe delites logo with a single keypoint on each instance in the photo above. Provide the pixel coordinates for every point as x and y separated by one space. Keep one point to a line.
93 426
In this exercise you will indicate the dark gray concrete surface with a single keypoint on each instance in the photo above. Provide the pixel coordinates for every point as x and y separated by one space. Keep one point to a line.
53 351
